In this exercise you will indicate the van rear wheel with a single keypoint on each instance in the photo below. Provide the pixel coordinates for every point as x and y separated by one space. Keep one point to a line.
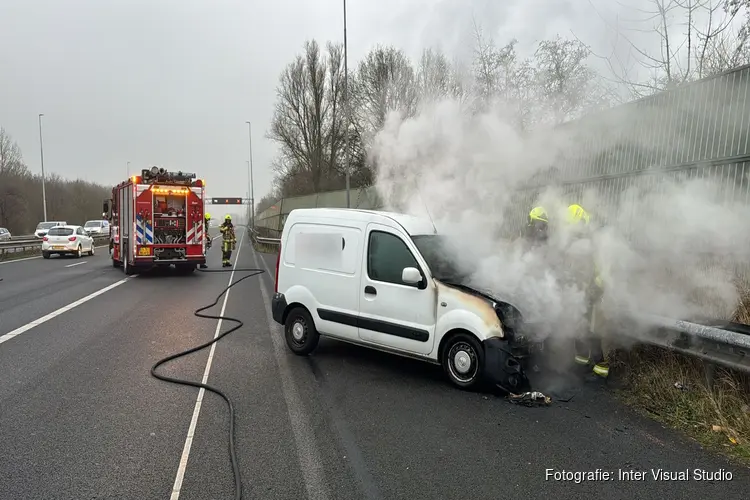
463 361
300 333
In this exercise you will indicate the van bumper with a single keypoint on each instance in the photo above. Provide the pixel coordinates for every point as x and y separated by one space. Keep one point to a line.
278 306
503 368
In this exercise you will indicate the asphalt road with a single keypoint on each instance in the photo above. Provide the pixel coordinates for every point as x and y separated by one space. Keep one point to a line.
81 417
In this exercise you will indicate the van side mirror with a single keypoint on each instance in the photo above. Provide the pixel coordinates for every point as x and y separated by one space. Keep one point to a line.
411 276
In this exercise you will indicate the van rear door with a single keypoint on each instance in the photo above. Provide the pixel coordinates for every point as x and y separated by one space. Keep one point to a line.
324 260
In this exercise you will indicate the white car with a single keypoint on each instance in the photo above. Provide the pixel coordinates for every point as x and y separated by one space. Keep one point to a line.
67 240
93 227
387 281
43 227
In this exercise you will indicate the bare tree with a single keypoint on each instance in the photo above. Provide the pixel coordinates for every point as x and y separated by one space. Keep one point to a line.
682 57
384 82
500 75
567 87
436 77
11 159
495 68
730 48
13 172
21 193
308 121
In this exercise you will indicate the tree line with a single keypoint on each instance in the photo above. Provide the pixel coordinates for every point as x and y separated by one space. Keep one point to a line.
21 207
311 123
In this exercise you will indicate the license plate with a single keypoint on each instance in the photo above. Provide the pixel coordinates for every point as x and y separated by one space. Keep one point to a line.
144 251
58 247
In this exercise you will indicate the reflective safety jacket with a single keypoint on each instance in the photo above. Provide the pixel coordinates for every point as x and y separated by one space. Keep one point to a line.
227 232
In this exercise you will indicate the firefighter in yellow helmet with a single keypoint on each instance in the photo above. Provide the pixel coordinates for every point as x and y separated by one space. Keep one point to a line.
206 224
589 349
228 242
537 226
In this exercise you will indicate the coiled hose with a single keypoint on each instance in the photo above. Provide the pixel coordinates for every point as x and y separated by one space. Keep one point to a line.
238 324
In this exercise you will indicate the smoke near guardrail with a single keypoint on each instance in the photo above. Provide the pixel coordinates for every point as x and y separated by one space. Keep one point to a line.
668 240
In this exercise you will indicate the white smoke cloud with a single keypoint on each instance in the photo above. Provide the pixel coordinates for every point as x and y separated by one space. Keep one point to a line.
465 171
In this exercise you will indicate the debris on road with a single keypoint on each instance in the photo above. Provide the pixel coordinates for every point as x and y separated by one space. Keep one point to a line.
530 398
731 434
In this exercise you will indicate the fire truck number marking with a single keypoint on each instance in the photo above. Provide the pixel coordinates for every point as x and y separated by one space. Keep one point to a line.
144 251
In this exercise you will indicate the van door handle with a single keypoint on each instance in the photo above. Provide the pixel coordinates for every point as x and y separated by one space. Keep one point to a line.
371 290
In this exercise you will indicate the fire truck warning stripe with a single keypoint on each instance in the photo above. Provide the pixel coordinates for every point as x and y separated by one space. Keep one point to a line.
139 230
54 314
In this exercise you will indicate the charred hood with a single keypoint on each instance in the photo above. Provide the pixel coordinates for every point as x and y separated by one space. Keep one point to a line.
510 316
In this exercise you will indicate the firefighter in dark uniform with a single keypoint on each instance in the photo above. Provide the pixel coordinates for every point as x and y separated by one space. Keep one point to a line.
537 227
228 240
589 347
206 225
206 220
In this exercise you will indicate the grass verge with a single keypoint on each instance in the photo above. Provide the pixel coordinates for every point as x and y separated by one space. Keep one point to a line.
674 389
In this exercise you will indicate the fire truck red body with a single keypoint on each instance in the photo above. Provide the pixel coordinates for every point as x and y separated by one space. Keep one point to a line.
157 220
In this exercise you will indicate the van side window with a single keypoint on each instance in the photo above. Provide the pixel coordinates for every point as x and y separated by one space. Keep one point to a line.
387 256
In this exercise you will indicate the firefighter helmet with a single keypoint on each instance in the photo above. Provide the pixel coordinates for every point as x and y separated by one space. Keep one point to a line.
576 214
227 217
538 213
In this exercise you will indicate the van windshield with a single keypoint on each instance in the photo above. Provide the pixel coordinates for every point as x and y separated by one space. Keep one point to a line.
441 253
93 223
46 225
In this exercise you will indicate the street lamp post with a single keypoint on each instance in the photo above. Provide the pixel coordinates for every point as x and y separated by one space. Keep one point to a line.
128 170
41 153
347 111
249 196
250 174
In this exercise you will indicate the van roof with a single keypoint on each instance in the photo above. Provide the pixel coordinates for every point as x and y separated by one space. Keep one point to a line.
413 225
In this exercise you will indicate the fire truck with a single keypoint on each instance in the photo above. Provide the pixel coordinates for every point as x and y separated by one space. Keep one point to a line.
156 220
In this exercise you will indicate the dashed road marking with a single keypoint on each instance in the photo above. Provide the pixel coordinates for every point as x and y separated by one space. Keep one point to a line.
199 401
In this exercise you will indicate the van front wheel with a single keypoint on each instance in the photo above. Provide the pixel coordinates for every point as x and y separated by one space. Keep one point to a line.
463 361
300 333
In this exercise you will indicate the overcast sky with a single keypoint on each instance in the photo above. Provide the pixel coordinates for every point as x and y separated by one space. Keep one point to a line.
172 82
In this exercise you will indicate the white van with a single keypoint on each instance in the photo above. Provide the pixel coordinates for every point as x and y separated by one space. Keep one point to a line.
43 227
380 280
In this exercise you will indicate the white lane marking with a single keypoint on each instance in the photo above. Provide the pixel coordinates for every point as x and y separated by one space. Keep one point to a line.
20 260
307 449
18 331
76 264
11 261
197 410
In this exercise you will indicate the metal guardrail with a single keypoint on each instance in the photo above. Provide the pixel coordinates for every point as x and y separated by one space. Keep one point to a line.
263 240
728 347
32 245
